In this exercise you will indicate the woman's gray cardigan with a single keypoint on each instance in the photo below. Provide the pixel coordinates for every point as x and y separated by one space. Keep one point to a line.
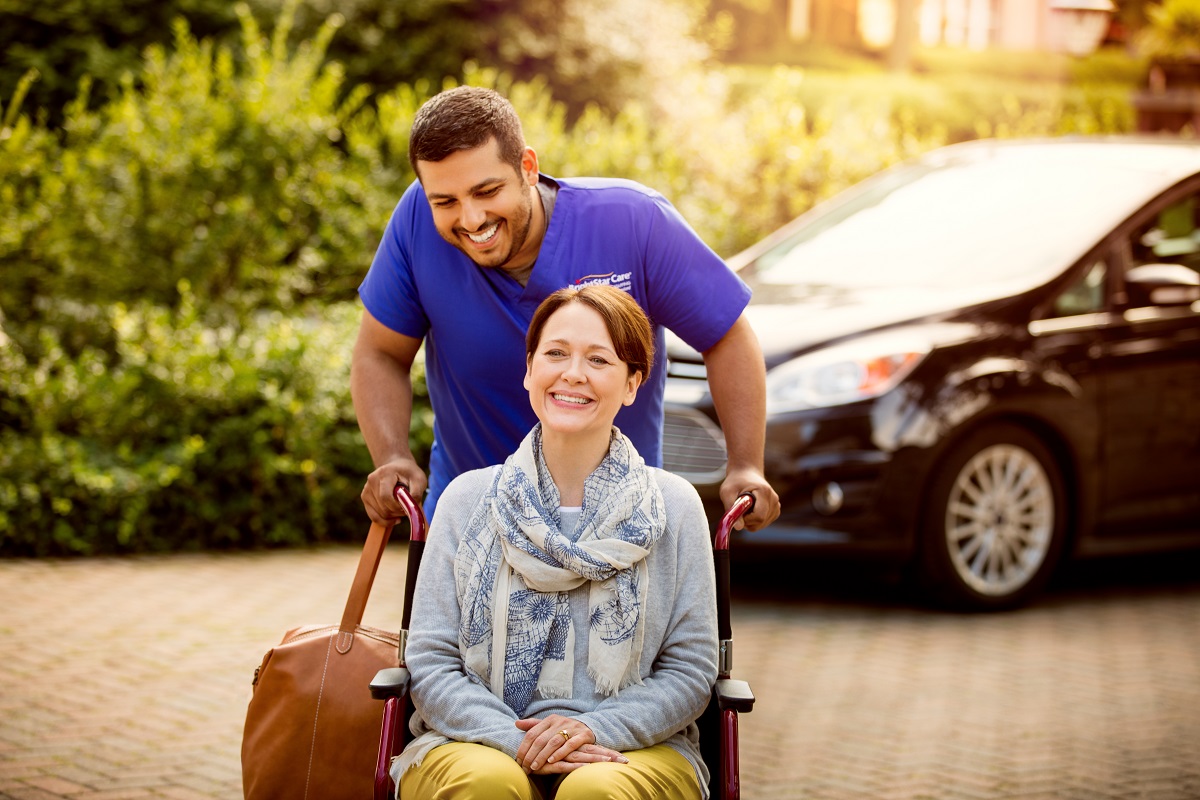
678 663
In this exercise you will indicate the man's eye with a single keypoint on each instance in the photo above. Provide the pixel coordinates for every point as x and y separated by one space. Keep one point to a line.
489 192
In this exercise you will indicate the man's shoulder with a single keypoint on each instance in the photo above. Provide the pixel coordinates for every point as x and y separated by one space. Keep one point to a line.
594 189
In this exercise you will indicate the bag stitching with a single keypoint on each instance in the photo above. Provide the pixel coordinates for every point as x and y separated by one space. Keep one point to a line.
316 716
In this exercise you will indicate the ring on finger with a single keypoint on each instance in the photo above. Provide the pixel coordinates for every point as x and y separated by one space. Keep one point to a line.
566 736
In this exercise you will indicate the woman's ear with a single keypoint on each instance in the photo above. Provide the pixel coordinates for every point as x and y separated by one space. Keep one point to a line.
631 387
528 371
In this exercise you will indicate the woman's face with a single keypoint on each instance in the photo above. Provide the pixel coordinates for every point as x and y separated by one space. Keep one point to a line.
576 382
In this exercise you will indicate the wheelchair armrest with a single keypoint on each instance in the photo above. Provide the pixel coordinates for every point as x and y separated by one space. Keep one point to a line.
391 682
734 694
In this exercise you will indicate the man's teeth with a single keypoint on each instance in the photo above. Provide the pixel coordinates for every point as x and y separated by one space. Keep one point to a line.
579 400
480 238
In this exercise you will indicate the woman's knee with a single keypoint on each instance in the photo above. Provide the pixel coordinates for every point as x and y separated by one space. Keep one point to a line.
464 771
657 772
596 782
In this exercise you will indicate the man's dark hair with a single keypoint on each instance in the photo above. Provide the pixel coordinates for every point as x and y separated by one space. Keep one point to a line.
464 118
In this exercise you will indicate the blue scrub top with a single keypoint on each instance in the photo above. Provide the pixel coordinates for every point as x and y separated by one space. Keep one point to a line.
474 319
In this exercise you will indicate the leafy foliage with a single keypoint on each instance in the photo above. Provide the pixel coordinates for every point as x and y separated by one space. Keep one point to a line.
1173 30
179 261
237 182
196 436
64 42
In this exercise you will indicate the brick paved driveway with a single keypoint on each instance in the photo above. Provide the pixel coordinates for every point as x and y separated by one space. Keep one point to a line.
128 678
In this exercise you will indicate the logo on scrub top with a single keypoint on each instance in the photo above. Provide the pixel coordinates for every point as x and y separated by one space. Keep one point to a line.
621 280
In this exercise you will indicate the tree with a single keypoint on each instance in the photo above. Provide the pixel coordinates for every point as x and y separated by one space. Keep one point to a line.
606 52
900 52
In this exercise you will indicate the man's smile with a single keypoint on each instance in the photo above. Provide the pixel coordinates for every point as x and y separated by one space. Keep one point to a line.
486 235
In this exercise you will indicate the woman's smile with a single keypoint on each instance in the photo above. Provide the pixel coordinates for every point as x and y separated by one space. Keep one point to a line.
571 399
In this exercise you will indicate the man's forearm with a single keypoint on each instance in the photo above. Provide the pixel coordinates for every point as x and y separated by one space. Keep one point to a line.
737 382
382 393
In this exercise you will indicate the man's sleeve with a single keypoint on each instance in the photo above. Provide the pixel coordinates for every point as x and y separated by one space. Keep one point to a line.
689 288
389 291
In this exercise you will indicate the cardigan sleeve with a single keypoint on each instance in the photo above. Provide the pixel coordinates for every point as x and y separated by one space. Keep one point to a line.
447 700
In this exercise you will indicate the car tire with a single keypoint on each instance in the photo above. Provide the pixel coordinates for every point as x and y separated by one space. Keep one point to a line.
994 523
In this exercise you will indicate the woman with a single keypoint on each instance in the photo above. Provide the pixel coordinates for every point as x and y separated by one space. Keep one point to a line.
564 629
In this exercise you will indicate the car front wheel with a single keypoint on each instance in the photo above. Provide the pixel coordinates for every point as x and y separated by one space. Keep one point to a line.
994 521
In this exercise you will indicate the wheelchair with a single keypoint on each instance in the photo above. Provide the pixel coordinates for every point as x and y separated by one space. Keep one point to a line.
718 724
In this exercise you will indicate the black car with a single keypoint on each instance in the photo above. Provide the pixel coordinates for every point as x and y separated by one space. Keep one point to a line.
978 362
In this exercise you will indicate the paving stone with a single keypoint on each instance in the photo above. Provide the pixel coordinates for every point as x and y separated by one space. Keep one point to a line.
125 679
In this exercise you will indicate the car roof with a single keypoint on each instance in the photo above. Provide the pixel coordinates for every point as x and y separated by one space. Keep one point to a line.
1171 158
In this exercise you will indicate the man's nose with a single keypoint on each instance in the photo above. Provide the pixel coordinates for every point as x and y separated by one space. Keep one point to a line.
473 217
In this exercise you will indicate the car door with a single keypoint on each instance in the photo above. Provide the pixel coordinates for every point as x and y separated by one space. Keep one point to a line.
1150 374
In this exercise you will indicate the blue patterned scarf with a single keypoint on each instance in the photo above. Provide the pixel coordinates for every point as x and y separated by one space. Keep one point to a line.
514 569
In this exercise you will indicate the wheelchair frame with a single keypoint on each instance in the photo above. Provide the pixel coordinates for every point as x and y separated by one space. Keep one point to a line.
718 724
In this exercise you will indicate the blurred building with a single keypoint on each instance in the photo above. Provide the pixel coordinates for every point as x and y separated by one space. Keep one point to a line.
973 24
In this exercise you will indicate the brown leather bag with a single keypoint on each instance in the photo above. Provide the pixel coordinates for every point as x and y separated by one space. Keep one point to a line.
312 727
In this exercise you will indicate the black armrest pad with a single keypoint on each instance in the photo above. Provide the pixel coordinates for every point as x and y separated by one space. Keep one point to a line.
391 682
735 694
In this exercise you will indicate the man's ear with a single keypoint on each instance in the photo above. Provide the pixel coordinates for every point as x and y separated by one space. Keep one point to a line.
529 166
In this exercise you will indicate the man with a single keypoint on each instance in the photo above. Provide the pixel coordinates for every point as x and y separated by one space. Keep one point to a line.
475 244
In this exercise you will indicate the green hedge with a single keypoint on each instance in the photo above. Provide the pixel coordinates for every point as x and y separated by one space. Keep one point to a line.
177 305
195 436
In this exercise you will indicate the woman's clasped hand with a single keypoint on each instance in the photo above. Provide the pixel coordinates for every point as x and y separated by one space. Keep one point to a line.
558 744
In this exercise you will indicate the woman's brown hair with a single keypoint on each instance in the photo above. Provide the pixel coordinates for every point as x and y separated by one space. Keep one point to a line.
633 338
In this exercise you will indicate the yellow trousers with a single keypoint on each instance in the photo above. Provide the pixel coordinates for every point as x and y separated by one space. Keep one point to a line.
464 771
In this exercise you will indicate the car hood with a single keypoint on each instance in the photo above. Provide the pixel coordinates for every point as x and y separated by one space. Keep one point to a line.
790 319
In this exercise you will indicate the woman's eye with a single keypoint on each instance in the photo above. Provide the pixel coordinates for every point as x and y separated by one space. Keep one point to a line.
600 362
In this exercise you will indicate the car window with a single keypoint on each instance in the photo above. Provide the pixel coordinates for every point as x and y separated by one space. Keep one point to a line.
1172 236
966 225
1084 296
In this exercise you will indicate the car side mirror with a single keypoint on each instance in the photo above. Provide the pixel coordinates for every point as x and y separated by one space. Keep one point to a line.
1162 285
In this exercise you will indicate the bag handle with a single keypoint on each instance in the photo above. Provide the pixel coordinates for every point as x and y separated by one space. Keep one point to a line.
368 565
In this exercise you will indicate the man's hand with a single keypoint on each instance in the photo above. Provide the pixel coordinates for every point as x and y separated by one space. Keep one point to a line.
378 495
766 502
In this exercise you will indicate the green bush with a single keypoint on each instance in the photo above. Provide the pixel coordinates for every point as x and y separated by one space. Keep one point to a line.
198 436
235 178
956 107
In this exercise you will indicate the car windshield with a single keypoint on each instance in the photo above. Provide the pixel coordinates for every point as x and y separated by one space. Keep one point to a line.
1018 217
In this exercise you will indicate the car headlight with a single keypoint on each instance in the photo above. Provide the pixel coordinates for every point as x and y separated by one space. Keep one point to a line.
842 373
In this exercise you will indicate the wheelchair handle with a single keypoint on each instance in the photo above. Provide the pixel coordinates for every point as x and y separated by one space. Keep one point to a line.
412 510
743 505
416 548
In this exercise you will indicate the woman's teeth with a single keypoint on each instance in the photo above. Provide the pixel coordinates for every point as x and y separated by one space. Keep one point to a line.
577 400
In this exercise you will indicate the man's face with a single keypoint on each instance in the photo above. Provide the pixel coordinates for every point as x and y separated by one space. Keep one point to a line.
482 206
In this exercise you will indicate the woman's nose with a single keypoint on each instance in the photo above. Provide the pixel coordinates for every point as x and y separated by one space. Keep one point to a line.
574 371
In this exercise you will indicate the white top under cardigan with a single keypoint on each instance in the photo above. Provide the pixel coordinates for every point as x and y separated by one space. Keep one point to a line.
678 663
